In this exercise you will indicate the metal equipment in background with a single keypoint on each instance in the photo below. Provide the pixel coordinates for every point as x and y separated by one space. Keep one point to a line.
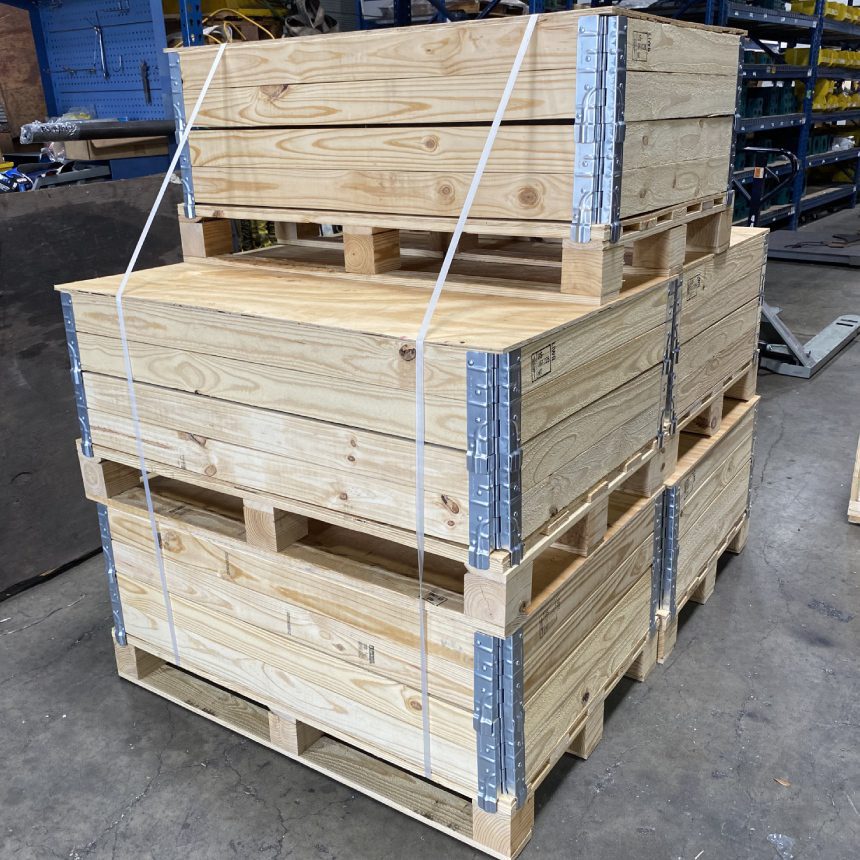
780 351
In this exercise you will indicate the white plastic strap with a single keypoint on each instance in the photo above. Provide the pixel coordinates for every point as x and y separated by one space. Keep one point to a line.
419 367
129 378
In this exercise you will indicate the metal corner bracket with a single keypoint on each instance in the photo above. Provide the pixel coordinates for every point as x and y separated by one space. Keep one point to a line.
499 718
77 374
493 455
599 128
178 101
110 572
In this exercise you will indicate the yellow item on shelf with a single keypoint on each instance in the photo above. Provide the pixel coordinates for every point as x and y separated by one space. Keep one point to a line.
835 11
803 7
798 56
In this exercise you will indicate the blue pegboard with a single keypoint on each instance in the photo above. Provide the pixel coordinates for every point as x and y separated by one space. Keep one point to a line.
133 32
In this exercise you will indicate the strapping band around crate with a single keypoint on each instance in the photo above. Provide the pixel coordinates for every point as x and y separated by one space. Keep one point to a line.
129 375
419 383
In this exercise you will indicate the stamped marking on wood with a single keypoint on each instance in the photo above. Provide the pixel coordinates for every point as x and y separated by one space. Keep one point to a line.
695 284
541 361
641 46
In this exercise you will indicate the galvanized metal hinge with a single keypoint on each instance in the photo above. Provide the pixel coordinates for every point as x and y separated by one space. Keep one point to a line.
657 560
493 455
499 718
668 419
671 513
178 101
77 374
110 572
601 79
737 120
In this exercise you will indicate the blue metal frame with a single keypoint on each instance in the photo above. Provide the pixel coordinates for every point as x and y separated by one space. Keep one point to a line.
402 13
786 26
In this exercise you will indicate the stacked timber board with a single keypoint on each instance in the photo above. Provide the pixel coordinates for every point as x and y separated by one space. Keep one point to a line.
276 396
854 503
706 506
392 124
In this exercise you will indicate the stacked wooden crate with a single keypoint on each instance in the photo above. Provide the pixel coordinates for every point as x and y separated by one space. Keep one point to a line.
276 399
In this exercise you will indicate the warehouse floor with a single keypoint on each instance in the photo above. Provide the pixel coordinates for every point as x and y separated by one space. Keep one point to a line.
746 744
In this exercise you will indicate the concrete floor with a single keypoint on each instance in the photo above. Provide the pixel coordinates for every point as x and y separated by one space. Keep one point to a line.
764 685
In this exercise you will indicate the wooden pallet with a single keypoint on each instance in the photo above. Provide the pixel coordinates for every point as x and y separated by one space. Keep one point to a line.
700 589
704 418
854 504
496 598
297 387
370 134
710 486
654 245
314 650
502 834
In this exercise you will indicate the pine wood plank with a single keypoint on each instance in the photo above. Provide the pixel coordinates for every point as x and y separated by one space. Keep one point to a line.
381 716
461 48
854 503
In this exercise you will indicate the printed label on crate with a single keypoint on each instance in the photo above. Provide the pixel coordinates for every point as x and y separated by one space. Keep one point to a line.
641 46
435 599
542 360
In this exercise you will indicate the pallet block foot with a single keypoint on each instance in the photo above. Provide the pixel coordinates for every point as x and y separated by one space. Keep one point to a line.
291 735
496 601
589 532
133 663
708 421
370 250
440 241
506 831
667 634
645 661
739 541
662 254
584 743
705 588
205 237
745 387
104 479
272 529
594 269
647 480
287 231
711 234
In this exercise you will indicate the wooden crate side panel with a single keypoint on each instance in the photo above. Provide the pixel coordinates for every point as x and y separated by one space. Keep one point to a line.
719 475
390 655
702 307
379 715
466 48
328 353
351 578
410 795
715 355
527 149
596 336
568 394
568 607
704 536
331 446
382 410
557 710
700 455
534 197
386 500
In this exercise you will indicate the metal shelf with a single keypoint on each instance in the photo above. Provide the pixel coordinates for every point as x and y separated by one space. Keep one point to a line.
771 18
835 73
774 72
778 168
835 115
823 196
834 156
749 124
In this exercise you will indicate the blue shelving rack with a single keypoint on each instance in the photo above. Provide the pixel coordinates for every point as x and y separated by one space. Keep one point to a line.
402 13
91 55
770 31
